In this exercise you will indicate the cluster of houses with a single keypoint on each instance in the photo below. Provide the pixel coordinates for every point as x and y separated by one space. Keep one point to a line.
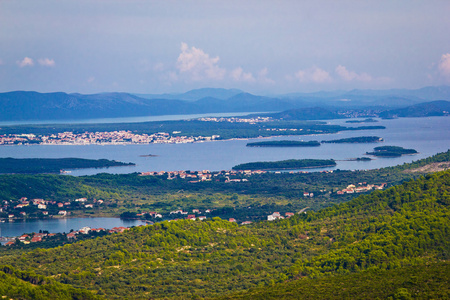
36 208
360 188
205 175
237 120
102 138
39 237
278 216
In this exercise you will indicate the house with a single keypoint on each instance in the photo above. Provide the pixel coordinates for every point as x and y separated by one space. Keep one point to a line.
274 216
60 204
45 213
231 220
191 217
196 211
62 212
89 206
42 206
246 223
289 214
201 218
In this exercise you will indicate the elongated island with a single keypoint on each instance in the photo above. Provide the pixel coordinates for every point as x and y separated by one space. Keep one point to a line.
284 144
290 164
358 139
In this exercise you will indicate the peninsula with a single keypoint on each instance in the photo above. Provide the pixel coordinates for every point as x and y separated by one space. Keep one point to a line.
53 165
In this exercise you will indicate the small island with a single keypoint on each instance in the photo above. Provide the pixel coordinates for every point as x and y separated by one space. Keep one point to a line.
359 139
360 159
290 164
53 165
148 155
391 151
370 120
284 144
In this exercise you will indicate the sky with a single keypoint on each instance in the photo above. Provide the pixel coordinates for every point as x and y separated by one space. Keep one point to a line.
262 47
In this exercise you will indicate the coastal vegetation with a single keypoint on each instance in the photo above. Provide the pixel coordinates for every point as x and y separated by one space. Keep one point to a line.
290 164
398 234
359 139
284 144
53 165
391 151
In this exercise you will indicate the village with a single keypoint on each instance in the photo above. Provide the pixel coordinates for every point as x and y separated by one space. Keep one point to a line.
102 138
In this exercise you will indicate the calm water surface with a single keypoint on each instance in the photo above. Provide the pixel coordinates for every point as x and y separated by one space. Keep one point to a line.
17 228
427 135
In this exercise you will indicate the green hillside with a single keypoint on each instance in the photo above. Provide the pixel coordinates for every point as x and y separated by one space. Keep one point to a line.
391 231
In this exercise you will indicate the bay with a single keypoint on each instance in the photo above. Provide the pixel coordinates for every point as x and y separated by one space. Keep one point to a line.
17 228
427 135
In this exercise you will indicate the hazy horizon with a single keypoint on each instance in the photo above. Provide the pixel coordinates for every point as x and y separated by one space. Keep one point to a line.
262 47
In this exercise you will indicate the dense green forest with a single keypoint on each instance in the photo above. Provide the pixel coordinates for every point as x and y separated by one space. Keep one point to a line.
359 139
52 165
290 164
284 144
27 285
399 233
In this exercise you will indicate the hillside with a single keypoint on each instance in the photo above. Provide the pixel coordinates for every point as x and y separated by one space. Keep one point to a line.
392 231
428 109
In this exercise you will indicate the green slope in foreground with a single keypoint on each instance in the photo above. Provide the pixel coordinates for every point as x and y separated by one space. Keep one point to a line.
405 226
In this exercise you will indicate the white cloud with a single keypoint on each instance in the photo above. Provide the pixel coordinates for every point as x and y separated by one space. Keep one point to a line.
351 75
238 74
313 74
444 65
25 62
262 77
196 63
46 62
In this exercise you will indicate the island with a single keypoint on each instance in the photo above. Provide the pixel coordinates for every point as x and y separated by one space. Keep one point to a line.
359 139
391 151
53 165
370 120
360 159
284 144
290 164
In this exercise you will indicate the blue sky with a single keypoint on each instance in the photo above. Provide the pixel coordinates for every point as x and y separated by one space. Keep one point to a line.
263 47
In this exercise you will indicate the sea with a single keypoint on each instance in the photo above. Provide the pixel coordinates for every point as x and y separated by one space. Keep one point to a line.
428 136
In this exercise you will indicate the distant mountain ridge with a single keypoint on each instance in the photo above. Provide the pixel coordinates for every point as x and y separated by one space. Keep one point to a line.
24 105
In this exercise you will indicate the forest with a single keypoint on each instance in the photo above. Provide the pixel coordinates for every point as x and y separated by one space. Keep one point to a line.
400 236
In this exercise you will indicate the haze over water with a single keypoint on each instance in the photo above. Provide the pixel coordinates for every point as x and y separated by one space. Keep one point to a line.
427 135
